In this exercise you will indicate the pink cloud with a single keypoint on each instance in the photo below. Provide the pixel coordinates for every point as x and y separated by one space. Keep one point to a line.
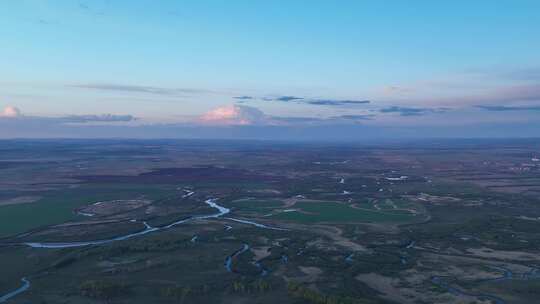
10 111
233 115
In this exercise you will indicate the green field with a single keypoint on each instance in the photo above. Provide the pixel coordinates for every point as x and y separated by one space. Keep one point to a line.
256 206
336 212
57 206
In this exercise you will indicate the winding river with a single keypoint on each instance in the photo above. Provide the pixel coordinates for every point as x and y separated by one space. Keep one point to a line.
507 274
258 225
439 281
260 266
23 288
148 229
229 259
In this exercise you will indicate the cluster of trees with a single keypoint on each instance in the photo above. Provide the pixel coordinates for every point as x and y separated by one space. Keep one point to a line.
180 293
530 288
104 290
299 291
176 292
153 245
64 262
257 286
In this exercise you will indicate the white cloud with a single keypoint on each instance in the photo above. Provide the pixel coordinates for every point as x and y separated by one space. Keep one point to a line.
234 115
10 111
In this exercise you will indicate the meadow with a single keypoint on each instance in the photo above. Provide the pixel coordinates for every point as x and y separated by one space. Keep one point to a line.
58 206
333 212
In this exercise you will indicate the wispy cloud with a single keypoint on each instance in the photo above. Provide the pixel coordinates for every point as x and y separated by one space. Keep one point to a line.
98 118
244 97
524 74
311 101
284 98
335 102
14 113
333 120
392 90
287 98
96 10
518 93
356 117
454 94
499 96
408 111
507 73
295 120
240 98
508 108
140 89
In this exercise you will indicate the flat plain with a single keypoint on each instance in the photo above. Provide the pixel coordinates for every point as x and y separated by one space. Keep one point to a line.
157 221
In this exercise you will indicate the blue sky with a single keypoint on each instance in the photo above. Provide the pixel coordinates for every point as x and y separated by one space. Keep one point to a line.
295 63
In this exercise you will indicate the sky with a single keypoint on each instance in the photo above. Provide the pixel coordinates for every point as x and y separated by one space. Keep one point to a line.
296 69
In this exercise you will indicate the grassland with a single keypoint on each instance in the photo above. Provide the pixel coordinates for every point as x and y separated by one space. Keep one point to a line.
255 206
314 212
58 206
364 240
